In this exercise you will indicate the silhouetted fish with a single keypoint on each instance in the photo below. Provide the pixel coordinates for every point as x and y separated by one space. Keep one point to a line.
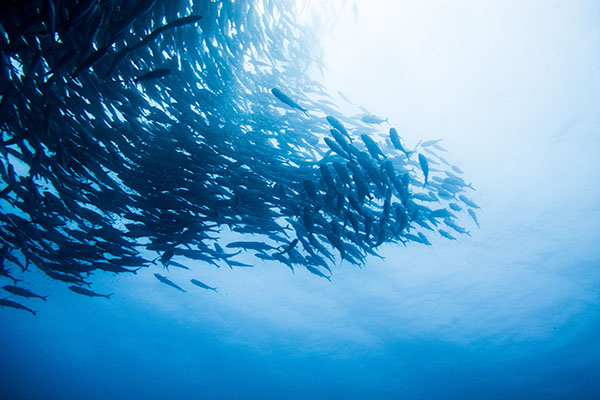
87 292
19 291
286 100
14 304
202 285
166 281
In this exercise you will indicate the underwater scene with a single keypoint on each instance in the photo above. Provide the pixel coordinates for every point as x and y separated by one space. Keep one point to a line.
307 199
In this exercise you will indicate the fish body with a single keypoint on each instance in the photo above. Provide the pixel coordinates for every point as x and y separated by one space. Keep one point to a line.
233 263
428 143
289 247
167 281
373 119
19 291
467 201
395 139
336 148
372 147
446 234
260 246
87 292
334 122
154 74
473 216
316 271
287 100
424 167
14 304
202 285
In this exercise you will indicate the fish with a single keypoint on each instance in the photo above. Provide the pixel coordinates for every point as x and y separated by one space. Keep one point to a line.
473 216
424 167
395 139
428 143
446 234
289 247
467 201
336 148
14 304
233 263
316 271
167 281
178 265
287 100
202 285
151 75
19 291
373 119
87 292
260 246
372 147
335 123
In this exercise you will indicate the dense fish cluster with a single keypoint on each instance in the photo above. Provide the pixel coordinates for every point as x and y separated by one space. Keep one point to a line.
135 133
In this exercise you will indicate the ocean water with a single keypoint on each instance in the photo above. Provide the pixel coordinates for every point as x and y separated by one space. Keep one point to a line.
511 310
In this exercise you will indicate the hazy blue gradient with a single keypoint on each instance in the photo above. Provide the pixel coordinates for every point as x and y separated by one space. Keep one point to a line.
513 89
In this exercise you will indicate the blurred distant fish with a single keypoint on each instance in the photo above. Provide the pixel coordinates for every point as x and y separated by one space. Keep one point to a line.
87 292
167 281
202 285
344 97
424 166
467 201
373 119
316 271
154 74
473 216
428 143
287 100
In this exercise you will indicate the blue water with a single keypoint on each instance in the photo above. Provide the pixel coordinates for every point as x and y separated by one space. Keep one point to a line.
511 311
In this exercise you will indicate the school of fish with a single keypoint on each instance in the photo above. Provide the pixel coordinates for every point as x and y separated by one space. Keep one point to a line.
142 133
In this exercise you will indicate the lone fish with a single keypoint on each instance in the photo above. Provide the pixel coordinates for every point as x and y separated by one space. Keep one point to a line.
166 281
202 285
